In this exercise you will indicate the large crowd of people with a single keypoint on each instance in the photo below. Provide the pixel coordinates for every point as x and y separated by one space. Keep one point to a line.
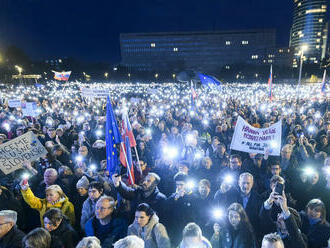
190 190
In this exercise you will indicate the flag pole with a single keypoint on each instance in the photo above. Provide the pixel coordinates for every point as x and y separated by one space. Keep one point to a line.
138 160
129 169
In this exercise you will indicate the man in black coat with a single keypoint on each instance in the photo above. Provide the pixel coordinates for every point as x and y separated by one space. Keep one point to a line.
147 192
287 223
245 195
181 207
10 235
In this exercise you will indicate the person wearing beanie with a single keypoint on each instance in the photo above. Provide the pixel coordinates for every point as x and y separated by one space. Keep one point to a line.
79 197
288 222
184 202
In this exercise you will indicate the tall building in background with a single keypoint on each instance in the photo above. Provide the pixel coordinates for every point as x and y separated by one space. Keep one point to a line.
309 28
201 51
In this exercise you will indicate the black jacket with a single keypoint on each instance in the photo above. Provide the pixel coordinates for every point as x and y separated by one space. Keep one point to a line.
252 208
156 200
295 239
64 236
13 239
317 234
230 238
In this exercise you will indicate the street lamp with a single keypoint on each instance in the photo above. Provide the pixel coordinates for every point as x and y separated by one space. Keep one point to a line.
302 50
173 76
106 75
129 76
156 76
19 69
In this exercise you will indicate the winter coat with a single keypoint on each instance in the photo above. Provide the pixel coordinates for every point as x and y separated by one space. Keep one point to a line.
13 239
295 239
117 230
64 236
88 211
229 238
317 234
154 233
42 205
156 200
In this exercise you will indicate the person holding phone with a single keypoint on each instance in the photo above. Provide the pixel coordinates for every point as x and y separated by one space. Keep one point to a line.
286 222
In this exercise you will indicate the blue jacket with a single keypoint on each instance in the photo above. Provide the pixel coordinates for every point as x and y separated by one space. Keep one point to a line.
117 230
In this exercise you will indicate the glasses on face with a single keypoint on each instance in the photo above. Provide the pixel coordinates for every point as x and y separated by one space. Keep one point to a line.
1 224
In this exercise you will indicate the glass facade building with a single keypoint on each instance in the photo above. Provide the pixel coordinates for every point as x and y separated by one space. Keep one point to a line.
203 51
309 28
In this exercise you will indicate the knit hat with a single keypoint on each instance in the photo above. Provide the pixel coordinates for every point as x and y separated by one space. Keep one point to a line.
83 183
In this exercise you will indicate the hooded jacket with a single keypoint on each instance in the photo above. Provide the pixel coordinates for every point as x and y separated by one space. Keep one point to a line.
42 205
154 233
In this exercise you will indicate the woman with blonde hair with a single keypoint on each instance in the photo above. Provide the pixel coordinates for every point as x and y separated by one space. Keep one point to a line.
55 198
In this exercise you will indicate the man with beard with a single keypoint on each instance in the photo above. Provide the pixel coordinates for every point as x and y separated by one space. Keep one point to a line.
147 192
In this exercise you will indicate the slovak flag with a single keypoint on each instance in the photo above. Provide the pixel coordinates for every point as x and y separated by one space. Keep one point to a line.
323 82
62 76
270 83
128 130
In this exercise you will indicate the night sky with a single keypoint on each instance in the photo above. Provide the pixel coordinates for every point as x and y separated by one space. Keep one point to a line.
89 30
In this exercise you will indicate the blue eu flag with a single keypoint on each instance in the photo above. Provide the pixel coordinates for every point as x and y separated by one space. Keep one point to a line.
112 137
209 81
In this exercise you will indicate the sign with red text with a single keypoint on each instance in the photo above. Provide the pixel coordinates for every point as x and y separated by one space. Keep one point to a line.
247 138
13 153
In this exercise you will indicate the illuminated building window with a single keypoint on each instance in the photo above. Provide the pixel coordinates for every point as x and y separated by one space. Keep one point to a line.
270 61
320 20
254 57
317 46
271 56
315 11
245 42
301 35
280 50
318 40
227 67
175 49
299 4
228 43
153 45
323 6
319 34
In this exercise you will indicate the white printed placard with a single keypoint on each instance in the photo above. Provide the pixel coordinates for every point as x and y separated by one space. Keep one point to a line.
247 138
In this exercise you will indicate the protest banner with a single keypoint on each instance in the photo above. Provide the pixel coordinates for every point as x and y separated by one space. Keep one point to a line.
13 153
247 138
14 103
95 93
29 109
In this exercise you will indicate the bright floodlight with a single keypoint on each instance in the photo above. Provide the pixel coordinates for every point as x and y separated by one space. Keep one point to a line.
79 158
198 155
327 170
309 171
311 129
98 132
229 179
189 138
191 184
218 213
148 131
304 48
25 176
92 167
205 122
170 152
6 126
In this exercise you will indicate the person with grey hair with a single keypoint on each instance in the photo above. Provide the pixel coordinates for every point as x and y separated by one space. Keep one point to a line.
272 240
89 242
37 238
10 235
130 241
147 192
105 225
193 237
246 196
